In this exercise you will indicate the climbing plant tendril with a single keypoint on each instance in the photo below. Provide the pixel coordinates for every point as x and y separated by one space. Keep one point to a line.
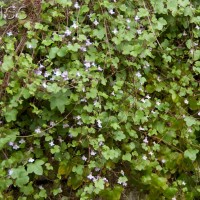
100 98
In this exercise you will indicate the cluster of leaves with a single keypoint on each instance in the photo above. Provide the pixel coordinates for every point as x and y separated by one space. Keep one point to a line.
100 97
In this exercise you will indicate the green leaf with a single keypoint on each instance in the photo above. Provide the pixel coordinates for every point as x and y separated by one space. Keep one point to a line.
172 6
84 9
9 136
197 55
189 121
27 190
8 63
78 169
191 154
21 176
73 47
99 184
62 52
161 23
119 136
35 167
114 194
60 100
11 115
127 157
53 52
64 3
143 12
92 93
99 33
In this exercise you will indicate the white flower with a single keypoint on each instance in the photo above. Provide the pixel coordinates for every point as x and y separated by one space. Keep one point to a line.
143 100
30 46
52 123
65 125
124 184
11 144
41 187
140 89
82 48
76 5
115 31
44 84
87 65
95 22
146 140
111 11
38 72
88 43
10 172
174 198
90 176
31 160
158 79
122 172
197 27
186 101
78 74
65 75
9 33
99 123
15 147
84 158
144 157
57 72
41 66
68 32
97 169
105 179
46 74
136 18
198 113
190 130
141 129
128 21
151 153
184 33
38 130
101 143
148 97
51 143
158 103
78 117
183 183
75 26
163 160
80 123
60 139
99 68
93 153
138 74
22 141
139 31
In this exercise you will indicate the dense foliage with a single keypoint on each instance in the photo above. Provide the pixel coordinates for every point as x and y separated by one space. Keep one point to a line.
98 98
